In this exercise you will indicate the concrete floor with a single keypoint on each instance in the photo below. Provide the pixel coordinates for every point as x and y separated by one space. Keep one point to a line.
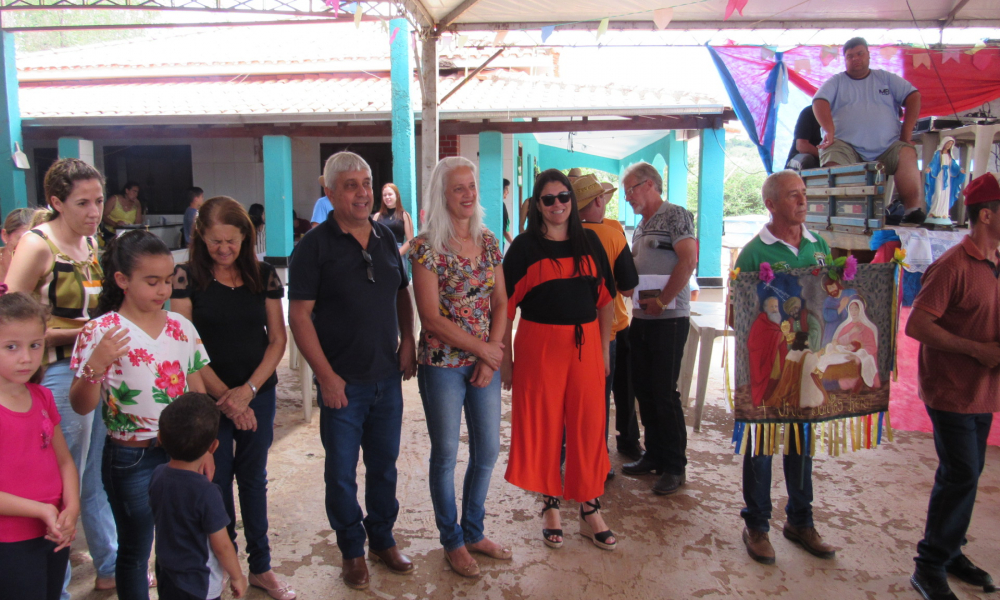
871 505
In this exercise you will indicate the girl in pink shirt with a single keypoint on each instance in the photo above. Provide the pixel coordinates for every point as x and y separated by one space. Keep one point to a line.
39 484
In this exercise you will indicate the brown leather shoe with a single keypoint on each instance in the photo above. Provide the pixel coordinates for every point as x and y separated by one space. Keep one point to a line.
394 559
758 546
809 538
355 573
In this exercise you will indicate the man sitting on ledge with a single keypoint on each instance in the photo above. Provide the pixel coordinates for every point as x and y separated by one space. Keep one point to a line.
859 112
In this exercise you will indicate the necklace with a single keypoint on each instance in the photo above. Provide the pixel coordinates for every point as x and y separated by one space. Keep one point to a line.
232 287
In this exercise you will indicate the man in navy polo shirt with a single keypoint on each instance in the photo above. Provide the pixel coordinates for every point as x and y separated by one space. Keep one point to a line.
352 317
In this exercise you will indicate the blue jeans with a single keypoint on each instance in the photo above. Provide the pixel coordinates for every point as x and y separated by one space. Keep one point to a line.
757 488
85 438
960 440
371 422
444 392
242 455
126 472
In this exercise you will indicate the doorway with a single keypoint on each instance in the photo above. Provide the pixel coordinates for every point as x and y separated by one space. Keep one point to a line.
163 173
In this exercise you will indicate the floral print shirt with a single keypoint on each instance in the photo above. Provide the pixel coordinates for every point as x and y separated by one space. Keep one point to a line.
154 372
465 285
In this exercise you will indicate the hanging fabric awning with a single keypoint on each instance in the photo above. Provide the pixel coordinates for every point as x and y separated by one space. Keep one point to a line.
756 79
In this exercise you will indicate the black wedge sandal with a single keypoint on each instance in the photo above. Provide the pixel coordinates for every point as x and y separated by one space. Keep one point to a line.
551 502
601 538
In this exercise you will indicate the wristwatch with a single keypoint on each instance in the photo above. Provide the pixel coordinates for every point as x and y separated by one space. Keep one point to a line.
252 387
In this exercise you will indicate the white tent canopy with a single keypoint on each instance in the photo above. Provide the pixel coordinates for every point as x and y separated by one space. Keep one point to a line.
706 14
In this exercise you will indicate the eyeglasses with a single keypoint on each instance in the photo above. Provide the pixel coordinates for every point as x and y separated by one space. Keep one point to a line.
371 267
550 199
629 190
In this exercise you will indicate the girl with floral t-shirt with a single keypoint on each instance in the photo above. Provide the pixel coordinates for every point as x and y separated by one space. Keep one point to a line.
134 360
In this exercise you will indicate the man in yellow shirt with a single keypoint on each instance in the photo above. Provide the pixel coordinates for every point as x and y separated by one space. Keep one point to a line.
591 200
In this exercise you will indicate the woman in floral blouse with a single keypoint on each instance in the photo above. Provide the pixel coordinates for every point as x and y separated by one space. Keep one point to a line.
137 358
462 303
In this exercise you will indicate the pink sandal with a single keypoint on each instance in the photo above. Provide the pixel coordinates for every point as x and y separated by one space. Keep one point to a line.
282 592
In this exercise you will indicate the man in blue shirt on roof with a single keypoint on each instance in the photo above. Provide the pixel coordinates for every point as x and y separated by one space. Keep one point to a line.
859 112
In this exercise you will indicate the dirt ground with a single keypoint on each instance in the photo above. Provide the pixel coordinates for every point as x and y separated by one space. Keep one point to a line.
871 505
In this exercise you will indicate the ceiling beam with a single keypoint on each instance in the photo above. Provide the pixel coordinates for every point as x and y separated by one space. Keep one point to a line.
954 12
470 76
370 129
457 12
721 26
419 12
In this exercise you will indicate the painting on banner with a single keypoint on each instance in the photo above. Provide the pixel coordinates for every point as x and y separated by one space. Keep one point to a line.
813 344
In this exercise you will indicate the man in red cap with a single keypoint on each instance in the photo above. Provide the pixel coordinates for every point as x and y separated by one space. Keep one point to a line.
956 319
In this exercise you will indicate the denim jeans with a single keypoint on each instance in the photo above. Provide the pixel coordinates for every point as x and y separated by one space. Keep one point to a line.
126 472
242 455
626 422
960 441
757 488
444 392
657 350
370 423
85 438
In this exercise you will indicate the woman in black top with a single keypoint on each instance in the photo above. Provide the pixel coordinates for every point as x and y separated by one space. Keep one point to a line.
394 216
235 302
558 274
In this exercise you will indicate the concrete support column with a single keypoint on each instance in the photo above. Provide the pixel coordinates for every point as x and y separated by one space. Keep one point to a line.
404 150
677 170
13 191
429 109
491 180
711 176
278 197
77 148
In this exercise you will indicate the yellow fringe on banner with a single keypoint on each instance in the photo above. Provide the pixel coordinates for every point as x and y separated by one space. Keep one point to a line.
843 438
743 440
784 437
888 427
798 443
812 440
757 441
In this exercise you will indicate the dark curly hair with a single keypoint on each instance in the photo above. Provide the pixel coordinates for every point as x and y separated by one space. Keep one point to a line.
188 426
63 175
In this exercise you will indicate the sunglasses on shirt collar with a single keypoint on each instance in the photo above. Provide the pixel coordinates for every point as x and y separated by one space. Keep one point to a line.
550 199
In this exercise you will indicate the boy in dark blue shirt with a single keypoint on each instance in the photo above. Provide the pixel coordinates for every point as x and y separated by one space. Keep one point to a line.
191 537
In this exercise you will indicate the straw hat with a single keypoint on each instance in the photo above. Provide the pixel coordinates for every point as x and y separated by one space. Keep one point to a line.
587 188
574 173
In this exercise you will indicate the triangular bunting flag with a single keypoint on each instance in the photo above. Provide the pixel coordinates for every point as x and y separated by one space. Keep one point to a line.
766 53
357 16
662 17
887 52
803 65
547 31
981 60
602 27
828 54
951 54
921 59
734 5
979 46
462 39
335 5
499 38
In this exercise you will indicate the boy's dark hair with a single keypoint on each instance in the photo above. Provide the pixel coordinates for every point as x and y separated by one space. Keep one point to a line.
506 183
188 426
193 193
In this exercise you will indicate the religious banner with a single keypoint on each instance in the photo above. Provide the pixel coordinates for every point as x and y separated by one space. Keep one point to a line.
814 350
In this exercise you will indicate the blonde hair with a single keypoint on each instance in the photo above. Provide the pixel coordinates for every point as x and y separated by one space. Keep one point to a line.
439 229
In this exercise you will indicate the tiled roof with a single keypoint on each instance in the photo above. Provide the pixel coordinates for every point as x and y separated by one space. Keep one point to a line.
312 97
258 49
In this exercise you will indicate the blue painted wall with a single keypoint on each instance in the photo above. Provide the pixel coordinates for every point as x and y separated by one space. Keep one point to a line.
677 170
13 191
551 157
711 176
404 154
278 194
656 154
491 180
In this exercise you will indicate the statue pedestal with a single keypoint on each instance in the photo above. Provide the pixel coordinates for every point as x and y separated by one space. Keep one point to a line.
938 224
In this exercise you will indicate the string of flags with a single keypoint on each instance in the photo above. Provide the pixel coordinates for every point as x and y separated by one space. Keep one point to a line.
921 57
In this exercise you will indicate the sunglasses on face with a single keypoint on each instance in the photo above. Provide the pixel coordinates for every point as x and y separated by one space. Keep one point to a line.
550 199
